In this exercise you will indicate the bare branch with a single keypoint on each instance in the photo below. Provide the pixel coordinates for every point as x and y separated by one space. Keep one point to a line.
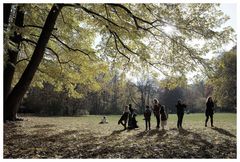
149 10
128 11
25 47
106 9
57 56
64 44
24 59
116 45
131 97
48 48
70 48
115 11
40 70
95 14
121 42
135 18
29 41
116 37
108 40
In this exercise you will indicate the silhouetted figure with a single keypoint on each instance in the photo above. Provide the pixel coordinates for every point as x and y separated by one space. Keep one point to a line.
103 121
132 122
180 113
209 110
124 117
156 111
147 117
163 117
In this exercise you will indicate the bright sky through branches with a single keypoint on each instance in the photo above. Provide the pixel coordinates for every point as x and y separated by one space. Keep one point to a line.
229 9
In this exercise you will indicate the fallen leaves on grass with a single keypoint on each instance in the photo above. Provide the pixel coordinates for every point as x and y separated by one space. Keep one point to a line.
63 138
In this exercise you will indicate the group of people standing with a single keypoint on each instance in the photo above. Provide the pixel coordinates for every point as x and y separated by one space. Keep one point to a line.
128 118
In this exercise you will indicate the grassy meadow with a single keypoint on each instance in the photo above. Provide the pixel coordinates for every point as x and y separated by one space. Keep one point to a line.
84 137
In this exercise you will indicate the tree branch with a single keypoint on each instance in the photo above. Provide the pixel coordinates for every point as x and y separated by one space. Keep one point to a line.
135 18
116 37
131 97
116 45
70 48
106 9
48 48
97 15
62 17
121 42
24 59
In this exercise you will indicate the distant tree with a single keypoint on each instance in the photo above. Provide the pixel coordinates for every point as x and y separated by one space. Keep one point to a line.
46 101
170 97
196 95
144 86
223 80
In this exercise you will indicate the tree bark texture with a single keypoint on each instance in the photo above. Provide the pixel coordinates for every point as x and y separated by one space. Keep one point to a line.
16 95
12 54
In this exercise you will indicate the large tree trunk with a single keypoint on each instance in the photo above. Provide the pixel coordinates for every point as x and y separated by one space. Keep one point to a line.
7 11
9 71
16 95
12 54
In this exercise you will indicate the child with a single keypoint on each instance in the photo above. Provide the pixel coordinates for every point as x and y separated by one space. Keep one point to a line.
124 117
163 117
104 120
147 116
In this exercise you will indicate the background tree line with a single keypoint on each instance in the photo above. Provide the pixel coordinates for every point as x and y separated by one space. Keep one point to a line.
120 91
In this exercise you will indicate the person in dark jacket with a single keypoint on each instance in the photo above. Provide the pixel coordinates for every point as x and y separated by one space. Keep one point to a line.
180 113
132 122
147 117
209 111
156 111
124 117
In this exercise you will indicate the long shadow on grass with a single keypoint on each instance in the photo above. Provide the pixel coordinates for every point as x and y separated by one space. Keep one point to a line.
152 132
44 126
197 138
205 146
60 142
116 132
188 139
224 132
